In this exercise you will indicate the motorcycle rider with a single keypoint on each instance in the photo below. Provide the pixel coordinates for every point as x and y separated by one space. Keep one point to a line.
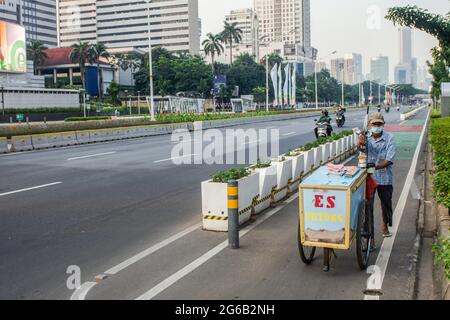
340 113
324 119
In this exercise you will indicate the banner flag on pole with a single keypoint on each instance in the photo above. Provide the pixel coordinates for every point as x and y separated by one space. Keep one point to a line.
280 80
286 86
273 75
294 85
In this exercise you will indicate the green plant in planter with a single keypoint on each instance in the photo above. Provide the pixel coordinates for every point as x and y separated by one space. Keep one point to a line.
262 164
294 153
232 174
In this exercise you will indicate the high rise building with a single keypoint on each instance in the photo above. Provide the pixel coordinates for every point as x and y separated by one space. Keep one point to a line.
348 68
406 69
337 67
247 21
287 22
123 25
379 69
37 16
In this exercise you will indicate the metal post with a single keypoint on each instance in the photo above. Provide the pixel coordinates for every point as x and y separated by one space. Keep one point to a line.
139 102
3 100
315 84
379 94
129 103
343 102
150 66
267 83
371 94
84 103
233 215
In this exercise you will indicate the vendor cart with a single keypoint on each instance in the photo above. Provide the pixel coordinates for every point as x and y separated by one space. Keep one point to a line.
333 214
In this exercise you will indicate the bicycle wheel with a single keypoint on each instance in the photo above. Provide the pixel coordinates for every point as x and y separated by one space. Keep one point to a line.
364 236
306 253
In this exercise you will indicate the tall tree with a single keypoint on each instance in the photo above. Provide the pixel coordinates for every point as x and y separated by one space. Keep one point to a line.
231 34
81 55
36 52
98 51
212 46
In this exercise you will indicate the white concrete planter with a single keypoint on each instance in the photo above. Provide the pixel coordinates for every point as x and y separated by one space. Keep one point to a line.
298 168
267 181
284 175
215 202
309 159
318 156
334 149
326 152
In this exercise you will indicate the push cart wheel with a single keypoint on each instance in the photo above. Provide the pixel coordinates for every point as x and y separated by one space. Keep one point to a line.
306 253
364 236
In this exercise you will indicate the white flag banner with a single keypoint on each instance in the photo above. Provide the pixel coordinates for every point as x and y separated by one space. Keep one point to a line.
294 85
363 98
274 76
280 83
286 86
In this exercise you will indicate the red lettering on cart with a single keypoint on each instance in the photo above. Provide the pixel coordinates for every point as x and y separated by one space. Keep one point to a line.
331 202
318 203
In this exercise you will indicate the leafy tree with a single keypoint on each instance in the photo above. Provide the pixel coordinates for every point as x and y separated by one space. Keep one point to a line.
113 92
247 74
80 54
231 33
98 51
273 58
36 52
259 93
212 46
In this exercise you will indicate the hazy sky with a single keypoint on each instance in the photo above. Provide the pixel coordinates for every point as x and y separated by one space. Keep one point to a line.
344 25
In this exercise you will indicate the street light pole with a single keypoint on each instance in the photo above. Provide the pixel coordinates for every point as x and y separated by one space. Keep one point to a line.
150 66
342 65
315 80
379 93
267 83
3 100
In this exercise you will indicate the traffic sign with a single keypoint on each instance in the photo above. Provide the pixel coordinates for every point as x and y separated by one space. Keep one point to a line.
19 117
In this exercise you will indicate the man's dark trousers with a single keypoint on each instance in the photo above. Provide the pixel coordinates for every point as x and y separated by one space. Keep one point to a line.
385 195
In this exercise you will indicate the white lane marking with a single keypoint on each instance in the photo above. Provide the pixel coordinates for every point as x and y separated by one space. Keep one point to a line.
151 250
81 292
31 188
173 158
92 155
163 285
388 243
289 134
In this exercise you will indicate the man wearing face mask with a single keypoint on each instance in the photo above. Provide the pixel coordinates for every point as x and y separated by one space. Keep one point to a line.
382 150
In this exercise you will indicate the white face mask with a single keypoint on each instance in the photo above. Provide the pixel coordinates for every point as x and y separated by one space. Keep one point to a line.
376 130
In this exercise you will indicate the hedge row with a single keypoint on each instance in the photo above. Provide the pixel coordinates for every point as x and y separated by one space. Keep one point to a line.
440 140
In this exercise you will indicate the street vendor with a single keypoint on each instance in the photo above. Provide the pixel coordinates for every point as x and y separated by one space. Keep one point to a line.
381 150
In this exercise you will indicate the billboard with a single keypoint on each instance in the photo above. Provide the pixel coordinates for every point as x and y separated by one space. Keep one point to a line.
12 48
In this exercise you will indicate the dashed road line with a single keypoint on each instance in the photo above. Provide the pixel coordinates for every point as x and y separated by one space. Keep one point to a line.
28 189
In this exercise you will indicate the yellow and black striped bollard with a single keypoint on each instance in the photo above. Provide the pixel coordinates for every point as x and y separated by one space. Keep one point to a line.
233 215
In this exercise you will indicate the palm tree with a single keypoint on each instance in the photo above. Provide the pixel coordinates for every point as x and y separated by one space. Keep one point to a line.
98 51
212 46
36 51
231 34
274 58
81 55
